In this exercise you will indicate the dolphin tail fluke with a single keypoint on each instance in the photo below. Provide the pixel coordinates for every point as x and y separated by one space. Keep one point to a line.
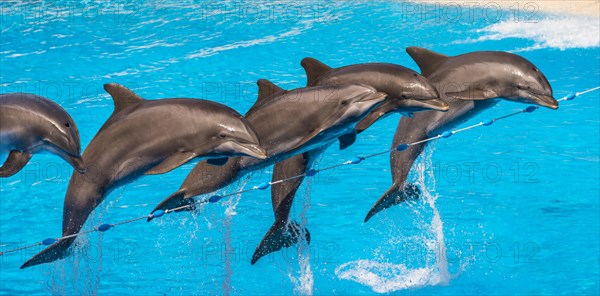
52 253
394 196
174 201
280 235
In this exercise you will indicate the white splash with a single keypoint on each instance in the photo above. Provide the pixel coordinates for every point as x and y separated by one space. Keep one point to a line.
386 277
551 32
305 283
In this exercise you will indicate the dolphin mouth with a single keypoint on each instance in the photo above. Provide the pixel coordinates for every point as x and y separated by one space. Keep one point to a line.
426 104
252 150
378 96
544 101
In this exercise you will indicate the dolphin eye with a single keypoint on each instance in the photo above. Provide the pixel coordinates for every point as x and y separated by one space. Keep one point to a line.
535 69
404 96
344 102
67 124
416 75
222 135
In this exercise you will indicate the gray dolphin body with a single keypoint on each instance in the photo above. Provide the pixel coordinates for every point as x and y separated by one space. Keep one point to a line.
32 124
287 123
147 137
408 92
470 83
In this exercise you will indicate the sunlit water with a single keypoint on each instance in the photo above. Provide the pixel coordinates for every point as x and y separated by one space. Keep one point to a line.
511 208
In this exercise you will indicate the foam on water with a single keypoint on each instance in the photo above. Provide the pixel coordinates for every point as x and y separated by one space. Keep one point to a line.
386 277
303 284
550 32
207 52
229 213
80 272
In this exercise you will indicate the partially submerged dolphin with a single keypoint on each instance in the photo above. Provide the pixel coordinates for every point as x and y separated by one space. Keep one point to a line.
147 137
408 92
287 123
32 124
470 83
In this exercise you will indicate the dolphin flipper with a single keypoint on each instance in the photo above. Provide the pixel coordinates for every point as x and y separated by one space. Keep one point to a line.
283 234
14 163
172 162
52 253
217 161
347 140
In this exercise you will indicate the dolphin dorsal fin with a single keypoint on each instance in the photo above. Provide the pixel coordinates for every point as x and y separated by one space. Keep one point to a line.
314 69
122 96
267 90
427 60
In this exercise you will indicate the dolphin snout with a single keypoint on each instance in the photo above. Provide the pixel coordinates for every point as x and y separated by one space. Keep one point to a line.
545 101
416 105
252 150
257 151
430 104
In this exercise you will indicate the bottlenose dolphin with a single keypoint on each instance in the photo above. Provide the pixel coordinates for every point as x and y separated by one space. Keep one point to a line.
31 124
408 92
470 83
147 137
287 123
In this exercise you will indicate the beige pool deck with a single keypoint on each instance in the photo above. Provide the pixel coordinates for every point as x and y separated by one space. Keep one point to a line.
583 7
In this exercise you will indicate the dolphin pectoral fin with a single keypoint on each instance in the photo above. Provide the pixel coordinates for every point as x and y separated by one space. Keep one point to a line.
217 161
394 196
170 163
368 121
314 69
347 140
472 94
280 235
427 60
174 201
54 252
14 163
307 138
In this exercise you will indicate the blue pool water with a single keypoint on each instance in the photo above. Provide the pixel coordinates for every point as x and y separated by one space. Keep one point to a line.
516 204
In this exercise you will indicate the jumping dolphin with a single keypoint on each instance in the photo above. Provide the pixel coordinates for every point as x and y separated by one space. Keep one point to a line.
287 123
31 124
470 83
408 92
147 137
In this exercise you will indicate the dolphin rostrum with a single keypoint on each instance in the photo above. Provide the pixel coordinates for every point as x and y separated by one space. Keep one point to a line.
287 123
470 83
408 92
147 137
31 124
